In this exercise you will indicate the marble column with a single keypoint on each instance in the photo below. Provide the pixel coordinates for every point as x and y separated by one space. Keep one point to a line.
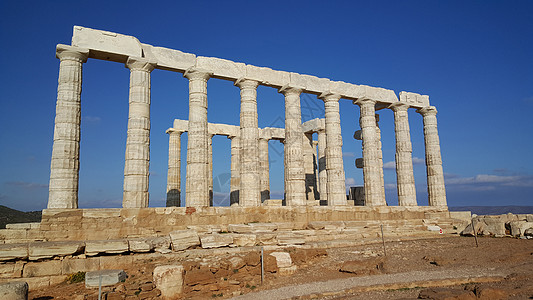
174 168
136 168
382 179
197 183
405 179
435 175
64 166
371 154
210 167
249 194
264 169
293 154
336 185
235 181
322 173
310 184
315 170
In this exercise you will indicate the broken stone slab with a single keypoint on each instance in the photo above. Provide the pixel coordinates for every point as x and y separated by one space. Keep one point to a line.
106 246
13 251
161 244
216 240
290 239
283 259
243 240
263 227
169 280
15 290
184 239
40 250
108 277
237 262
239 228
140 245
33 225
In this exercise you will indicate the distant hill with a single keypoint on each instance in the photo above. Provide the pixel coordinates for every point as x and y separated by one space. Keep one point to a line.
494 210
10 216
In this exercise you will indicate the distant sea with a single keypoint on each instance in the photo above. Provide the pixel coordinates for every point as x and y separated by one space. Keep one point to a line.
494 210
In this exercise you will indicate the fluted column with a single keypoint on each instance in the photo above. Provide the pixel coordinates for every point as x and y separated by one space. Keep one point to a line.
250 194
174 168
336 185
316 195
405 179
64 166
210 167
136 167
371 154
264 169
293 155
235 181
435 175
197 183
310 184
322 173
380 153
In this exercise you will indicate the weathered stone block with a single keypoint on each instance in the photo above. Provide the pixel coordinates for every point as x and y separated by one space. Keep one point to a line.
106 43
15 290
45 268
106 246
268 76
283 259
13 251
140 245
239 228
11 270
170 59
42 250
221 68
216 240
184 239
105 277
263 227
290 239
73 265
169 280
242 240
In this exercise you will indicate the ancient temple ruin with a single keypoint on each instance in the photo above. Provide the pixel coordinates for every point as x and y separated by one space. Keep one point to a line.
249 167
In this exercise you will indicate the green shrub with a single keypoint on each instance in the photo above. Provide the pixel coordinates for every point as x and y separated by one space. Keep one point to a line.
76 277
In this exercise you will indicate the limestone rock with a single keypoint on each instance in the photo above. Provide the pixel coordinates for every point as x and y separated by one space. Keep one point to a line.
283 259
263 227
169 280
435 228
40 250
15 290
216 240
239 228
109 277
161 244
13 251
106 246
242 240
11 270
45 268
291 239
495 226
184 239
236 262
140 245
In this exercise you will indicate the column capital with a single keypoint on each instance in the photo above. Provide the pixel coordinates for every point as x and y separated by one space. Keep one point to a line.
427 111
329 96
399 106
196 73
246 83
290 89
140 64
364 101
174 131
71 53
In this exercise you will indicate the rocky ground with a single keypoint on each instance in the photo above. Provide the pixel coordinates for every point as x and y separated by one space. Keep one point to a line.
500 268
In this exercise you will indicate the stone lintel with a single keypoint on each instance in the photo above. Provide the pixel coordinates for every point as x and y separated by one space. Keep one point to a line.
314 125
414 99
117 47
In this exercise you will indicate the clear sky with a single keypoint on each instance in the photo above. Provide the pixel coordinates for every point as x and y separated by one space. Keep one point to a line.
474 59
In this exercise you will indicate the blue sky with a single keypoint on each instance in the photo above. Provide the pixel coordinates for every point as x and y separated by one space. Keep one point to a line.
474 59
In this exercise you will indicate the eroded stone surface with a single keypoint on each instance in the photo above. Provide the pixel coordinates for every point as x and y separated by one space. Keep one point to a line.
104 278
169 280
